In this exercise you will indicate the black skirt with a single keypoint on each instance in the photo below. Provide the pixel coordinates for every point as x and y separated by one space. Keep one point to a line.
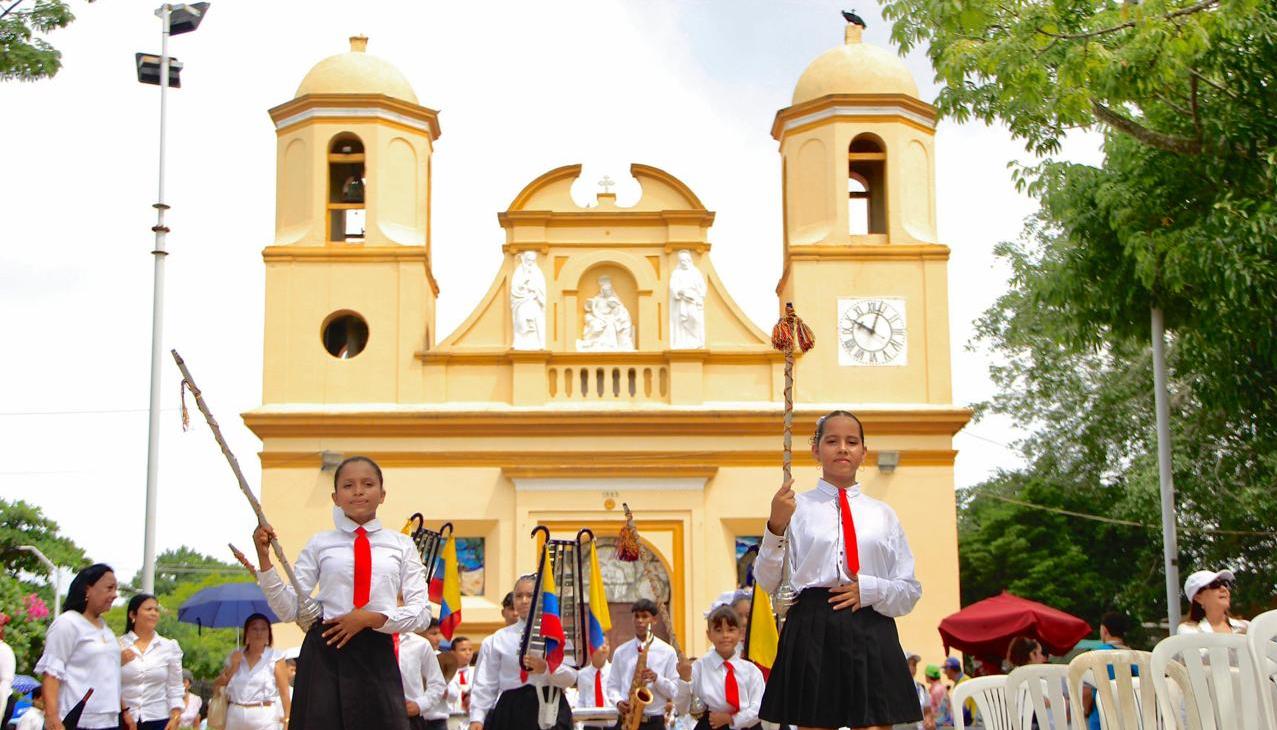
838 669
354 687
517 709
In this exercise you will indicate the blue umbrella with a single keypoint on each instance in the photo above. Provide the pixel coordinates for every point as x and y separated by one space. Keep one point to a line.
225 606
23 684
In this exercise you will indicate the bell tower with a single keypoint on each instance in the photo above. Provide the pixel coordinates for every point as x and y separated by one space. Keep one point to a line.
350 295
861 261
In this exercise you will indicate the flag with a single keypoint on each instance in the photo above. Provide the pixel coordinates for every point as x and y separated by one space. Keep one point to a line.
551 623
761 636
600 618
450 590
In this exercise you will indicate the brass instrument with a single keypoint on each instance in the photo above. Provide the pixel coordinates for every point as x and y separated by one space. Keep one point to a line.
429 543
308 609
563 559
640 695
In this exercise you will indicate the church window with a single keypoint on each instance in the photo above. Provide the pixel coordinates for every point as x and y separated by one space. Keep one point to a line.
346 184
345 335
866 186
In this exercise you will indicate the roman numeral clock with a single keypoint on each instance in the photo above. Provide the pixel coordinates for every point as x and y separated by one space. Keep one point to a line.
871 331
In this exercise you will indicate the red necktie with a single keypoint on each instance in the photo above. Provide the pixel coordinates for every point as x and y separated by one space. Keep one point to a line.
730 690
396 645
363 567
598 687
849 547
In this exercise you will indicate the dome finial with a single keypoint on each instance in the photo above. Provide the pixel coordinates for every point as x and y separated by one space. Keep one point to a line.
358 43
855 26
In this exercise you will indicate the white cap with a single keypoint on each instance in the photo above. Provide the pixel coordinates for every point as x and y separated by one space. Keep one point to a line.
726 598
1203 578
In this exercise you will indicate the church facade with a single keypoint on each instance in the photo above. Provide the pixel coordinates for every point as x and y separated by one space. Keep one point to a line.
607 365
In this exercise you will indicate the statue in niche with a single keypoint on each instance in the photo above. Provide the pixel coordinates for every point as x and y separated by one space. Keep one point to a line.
527 303
608 327
687 305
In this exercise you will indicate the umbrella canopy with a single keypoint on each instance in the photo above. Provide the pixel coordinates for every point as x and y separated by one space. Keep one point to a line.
986 628
23 683
225 606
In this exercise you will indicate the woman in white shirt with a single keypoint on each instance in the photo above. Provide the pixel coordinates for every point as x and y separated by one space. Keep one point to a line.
839 662
191 702
151 678
255 679
82 653
1210 595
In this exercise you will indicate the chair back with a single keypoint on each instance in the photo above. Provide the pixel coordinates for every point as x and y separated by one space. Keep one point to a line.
1037 691
1220 681
1262 636
990 698
1124 703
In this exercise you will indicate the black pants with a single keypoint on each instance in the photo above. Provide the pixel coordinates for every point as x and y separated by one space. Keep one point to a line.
355 687
650 722
153 725
703 723
517 709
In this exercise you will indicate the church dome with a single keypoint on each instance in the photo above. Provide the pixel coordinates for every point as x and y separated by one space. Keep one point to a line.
855 68
357 72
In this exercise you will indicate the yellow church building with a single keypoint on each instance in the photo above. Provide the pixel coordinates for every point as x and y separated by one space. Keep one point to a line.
607 363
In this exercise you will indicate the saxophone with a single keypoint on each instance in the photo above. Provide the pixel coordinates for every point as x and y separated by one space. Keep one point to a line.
640 695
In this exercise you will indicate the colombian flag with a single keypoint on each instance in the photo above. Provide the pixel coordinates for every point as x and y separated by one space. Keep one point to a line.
450 590
551 623
761 637
600 618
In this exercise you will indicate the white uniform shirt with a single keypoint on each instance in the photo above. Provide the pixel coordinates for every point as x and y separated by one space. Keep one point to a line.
1204 627
499 670
32 719
8 668
709 682
459 687
328 561
662 660
419 669
82 655
151 682
886 578
256 684
585 680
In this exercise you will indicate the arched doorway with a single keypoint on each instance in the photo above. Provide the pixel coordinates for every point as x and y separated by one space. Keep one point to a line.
624 583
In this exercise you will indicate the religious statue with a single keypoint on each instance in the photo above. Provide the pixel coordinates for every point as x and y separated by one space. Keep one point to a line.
608 327
527 303
687 305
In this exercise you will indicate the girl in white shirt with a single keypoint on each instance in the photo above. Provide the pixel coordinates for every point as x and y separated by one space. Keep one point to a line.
81 652
839 662
151 678
347 676
503 695
255 679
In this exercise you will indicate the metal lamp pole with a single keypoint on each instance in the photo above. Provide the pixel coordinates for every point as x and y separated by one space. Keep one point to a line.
54 573
1170 547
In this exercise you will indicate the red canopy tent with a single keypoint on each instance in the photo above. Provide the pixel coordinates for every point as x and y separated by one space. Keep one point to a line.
986 628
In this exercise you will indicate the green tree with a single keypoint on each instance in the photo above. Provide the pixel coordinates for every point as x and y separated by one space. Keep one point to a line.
184 565
28 622
23 54
22 523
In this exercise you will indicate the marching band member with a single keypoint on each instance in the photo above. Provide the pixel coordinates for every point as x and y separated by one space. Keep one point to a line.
731 688
423 682
347 677
151 678
459 687
503 695
661 674
839 662
591 683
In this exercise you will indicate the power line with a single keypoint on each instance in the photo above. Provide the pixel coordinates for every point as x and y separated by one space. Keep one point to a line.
1127 523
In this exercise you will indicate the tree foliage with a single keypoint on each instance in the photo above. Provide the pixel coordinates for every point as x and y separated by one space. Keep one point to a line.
22 523
24 55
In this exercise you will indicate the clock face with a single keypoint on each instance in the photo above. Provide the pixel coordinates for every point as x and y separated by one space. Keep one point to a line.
871 331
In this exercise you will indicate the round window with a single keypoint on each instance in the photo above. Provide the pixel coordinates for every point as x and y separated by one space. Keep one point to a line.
345 335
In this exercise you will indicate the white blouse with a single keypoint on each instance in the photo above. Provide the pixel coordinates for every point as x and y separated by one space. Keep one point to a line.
816 559
256 684
151 682
585 680
499 671
328 561
1203 627
661 659
419 669
709 682
82 655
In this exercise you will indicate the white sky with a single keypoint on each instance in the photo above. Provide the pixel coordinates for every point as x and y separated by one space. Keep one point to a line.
690 87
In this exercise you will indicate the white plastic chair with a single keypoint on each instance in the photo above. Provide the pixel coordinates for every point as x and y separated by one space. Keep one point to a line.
1037 690
1222 684
991 703
1121 700
1262 636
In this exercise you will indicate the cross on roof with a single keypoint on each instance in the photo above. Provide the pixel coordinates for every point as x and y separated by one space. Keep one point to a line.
606 183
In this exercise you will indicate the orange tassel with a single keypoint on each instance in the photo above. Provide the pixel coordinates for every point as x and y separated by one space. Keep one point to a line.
627 543
791 333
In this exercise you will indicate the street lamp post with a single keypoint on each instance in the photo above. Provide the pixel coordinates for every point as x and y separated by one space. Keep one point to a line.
1166 482
174 20
54 573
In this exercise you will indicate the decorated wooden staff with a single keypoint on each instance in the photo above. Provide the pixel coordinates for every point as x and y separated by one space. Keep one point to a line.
791 336
308 610
627 550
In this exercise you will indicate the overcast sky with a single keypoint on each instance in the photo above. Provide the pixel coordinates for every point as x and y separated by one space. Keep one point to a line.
521 87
